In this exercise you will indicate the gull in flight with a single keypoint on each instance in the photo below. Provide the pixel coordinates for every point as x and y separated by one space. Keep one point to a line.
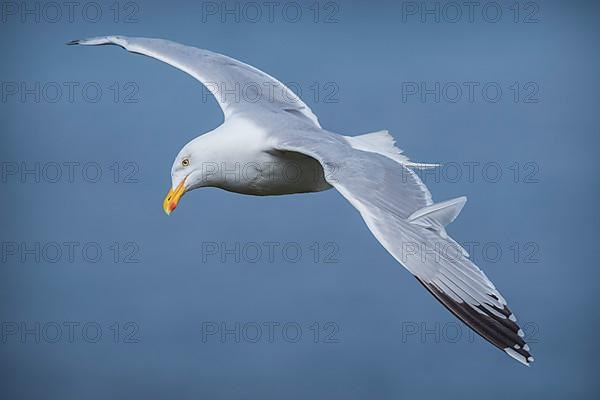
271 143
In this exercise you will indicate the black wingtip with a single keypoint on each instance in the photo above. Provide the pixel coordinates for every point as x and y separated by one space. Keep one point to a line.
504 333
73 42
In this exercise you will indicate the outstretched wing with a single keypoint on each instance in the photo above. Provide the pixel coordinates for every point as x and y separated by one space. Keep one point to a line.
236 86
398 209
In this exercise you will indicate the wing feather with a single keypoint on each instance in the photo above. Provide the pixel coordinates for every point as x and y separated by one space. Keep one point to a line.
236 86
386 194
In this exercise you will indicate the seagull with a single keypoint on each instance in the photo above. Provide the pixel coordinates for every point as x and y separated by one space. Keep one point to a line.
271 143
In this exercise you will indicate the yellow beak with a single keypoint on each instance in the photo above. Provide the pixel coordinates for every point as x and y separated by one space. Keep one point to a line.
173 197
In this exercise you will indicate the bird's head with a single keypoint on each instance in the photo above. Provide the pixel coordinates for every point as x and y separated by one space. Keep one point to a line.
186 173
207 160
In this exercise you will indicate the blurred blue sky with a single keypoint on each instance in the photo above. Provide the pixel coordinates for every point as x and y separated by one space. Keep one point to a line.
355 63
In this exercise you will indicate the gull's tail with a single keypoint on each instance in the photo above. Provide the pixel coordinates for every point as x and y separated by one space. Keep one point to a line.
381 142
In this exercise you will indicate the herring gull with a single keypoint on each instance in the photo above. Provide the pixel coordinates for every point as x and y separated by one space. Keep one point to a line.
283 149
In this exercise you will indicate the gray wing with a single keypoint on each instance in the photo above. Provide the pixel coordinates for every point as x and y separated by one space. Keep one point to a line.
236 86
398 209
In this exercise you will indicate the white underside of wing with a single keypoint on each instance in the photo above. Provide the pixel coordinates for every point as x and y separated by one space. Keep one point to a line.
398 209
237 86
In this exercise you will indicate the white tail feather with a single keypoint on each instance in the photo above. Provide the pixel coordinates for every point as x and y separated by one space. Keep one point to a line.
381 142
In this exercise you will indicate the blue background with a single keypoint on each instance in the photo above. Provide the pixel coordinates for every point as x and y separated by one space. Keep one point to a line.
171 292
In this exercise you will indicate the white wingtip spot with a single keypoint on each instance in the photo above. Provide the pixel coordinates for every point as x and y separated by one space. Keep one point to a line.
521 333
512 317
526 347
520 358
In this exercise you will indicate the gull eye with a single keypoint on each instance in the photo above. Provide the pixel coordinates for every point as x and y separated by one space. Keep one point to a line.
185 162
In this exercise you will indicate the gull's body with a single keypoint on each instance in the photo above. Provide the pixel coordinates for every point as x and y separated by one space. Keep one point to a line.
274 145
241 160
